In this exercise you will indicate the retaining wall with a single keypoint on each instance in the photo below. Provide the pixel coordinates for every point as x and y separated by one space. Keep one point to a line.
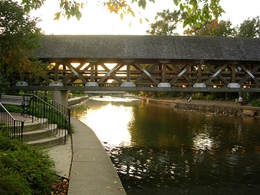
216 108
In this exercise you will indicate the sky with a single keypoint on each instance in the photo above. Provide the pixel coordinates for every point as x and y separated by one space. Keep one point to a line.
97 20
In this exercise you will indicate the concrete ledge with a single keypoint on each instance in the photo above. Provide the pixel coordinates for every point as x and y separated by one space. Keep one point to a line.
91 84
76 100
233 85
127 84
56 84
164 85
21 83
199 85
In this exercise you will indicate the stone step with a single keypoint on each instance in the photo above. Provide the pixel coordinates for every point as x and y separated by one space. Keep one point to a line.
53 140
36 134
39 134
31 126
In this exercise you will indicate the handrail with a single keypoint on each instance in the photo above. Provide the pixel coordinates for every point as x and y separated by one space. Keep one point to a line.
11 126
58 119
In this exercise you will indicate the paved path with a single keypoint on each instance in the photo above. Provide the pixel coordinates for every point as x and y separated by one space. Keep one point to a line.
62 156
92 171
84 161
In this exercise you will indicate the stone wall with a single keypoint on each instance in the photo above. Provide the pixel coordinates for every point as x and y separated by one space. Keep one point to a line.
218 109
77 100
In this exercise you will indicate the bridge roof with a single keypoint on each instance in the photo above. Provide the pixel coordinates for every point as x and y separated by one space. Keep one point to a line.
149 47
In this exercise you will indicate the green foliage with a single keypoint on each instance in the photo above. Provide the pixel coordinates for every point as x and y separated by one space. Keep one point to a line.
201 96
197 96
255 103
4 84
249 28
212 28
69 9
167 94
78 93
198 10
13 108
19 36
24 169
166 22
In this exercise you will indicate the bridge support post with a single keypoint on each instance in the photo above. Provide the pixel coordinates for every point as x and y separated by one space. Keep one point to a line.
60 97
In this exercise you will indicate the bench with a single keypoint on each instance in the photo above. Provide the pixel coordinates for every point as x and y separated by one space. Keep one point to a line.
23 101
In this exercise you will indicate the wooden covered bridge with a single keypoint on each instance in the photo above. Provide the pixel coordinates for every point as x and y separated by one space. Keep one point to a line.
147 63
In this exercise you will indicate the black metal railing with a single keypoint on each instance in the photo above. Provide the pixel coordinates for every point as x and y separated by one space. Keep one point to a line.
10 126
57 115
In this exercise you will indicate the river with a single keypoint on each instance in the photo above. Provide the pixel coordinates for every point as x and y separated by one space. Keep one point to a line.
159 150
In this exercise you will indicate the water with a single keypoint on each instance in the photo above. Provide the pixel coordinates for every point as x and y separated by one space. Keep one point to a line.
159 150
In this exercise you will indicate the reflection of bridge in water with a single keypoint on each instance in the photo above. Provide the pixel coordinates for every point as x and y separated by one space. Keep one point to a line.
147 63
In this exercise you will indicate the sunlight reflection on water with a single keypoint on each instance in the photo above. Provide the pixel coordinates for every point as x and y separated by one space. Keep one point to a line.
105 124
114 99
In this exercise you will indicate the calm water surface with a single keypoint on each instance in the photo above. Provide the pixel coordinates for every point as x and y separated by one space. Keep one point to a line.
159 150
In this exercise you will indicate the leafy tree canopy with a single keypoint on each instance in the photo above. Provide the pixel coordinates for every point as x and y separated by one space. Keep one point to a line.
19 36
212 28
166 22
197 11
249 28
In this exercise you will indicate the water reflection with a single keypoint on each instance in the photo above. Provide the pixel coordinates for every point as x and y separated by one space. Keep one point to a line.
110 120
158 150
203 142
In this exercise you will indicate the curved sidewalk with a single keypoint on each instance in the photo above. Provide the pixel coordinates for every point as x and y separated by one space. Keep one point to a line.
92 172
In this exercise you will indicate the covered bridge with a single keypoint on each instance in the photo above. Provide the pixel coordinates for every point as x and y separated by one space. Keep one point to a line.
149 63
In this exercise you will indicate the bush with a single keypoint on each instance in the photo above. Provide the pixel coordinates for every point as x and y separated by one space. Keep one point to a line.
24 169
256 103
12 108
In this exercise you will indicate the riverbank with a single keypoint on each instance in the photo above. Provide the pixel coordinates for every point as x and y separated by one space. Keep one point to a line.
228 108
77 100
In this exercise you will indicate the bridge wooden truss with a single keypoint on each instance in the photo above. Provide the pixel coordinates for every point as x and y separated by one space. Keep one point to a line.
146 63
146 75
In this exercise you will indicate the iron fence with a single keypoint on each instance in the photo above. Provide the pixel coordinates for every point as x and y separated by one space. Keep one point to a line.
10 126
51 115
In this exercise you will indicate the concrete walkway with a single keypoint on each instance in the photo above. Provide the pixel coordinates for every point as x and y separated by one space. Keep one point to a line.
62 156
92 172
85 162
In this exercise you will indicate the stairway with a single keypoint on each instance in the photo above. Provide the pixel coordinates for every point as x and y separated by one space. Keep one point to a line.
35 134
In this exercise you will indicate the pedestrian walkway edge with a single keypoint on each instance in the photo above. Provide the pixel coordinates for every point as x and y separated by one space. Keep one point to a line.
92 171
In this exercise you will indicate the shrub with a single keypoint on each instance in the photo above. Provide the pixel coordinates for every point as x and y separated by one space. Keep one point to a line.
24 169
12 108
256 103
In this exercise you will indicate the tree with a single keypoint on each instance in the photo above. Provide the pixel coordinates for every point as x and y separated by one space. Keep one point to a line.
249 28
197 10
212 28
166 22
19 36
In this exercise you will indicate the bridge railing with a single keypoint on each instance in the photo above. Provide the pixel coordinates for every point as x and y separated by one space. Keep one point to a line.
58 116
10 126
